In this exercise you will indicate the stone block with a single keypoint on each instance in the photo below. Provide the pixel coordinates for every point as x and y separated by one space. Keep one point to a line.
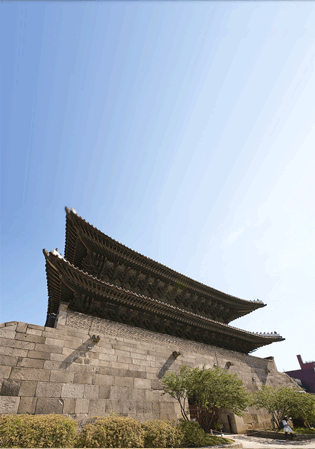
123 381
138 362
30 338
137 356
6 350
128 407
69 406
16 344
142 383
134 373
27 405
107 357
86 369
156 384
38 355
108 371
93 392
73 343
156 410
97 407
101 379
92 355
82 406
46 406
30 363
73 391
11 324
36 326
122 354
75 332
5 372
6 332
21 327
30 374
125 360
55 334
55 365
62 376
105 350
148 395
104 393
48 348
28 388
56 341
8 360
70 352
34 332
82 378
137 394
10 387
144 407
113 406
48 390
9 405
57 357
118 393
167 408
118 365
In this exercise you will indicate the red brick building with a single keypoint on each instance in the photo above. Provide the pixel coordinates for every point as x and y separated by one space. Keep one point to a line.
306 375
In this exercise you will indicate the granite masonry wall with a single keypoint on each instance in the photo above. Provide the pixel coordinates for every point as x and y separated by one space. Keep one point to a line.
62 370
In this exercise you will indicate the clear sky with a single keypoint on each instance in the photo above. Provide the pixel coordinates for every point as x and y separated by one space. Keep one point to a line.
184 130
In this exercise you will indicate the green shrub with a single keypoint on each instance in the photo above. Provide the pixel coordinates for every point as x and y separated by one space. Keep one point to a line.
161 433
192 434
113 431
37 431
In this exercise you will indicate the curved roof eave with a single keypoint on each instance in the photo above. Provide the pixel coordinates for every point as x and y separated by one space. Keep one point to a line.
53 257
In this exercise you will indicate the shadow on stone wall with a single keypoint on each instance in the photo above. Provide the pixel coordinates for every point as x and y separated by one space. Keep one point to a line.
77 353
167 365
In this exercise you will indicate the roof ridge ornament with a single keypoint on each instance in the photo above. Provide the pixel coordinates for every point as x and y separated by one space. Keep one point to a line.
68 210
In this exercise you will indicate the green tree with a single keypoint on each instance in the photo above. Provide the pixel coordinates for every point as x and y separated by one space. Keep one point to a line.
209 389
285 402
177 386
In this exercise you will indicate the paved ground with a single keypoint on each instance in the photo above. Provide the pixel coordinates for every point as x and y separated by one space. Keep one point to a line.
264 443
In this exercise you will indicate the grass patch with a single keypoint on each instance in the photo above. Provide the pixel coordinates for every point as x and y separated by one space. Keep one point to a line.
216 440
302 430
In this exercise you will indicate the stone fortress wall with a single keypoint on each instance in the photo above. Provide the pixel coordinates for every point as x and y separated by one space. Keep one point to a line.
61 370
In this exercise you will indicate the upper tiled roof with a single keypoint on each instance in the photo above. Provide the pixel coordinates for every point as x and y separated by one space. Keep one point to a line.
81 235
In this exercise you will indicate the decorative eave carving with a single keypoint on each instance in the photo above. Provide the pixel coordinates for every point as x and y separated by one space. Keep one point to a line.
87 294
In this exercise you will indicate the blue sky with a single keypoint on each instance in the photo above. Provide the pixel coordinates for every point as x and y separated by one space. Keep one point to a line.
184 130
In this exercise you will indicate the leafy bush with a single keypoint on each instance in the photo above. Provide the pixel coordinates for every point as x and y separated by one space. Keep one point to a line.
285 403
192 434
113 431
210 389
37 431
161 433
57 431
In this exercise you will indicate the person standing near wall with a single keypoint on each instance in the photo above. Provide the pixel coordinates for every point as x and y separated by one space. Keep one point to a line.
287 430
